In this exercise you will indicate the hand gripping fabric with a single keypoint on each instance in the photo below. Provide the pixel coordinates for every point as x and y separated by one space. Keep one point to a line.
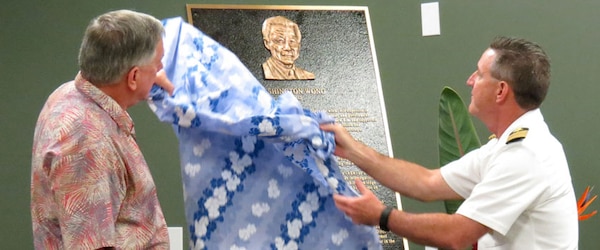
257 172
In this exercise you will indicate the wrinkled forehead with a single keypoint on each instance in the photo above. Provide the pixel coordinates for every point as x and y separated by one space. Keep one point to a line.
284 27
284 31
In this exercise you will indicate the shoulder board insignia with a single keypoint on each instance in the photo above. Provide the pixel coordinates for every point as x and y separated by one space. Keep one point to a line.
517 135
492 136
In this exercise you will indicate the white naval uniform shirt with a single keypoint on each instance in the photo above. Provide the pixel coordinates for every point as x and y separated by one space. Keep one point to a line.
521 190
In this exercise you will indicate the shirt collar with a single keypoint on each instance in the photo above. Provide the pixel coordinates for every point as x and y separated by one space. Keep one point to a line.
285 72
524 120
107 103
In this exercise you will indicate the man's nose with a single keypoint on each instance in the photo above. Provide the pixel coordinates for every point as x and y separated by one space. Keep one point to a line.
470 80
286 45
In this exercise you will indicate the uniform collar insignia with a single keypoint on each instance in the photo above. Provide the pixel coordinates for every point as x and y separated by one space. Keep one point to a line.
517 135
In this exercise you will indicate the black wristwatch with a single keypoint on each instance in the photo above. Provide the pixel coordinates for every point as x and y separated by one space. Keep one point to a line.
383 219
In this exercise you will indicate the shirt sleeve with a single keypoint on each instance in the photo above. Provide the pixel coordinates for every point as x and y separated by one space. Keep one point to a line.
501 189
88 186
462 175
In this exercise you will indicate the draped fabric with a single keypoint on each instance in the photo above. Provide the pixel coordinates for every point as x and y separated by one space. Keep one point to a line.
257 172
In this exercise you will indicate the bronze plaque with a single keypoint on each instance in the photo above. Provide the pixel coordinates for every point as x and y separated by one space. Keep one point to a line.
325 56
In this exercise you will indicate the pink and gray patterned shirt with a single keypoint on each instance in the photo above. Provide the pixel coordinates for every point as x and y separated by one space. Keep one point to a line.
90 184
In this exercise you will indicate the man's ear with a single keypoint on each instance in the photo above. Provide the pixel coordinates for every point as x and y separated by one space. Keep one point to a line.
132 77
503 91
266 43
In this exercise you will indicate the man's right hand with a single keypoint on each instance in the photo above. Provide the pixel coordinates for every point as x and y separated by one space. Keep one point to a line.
344 142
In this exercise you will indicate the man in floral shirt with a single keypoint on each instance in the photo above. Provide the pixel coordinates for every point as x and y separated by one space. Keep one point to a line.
90 186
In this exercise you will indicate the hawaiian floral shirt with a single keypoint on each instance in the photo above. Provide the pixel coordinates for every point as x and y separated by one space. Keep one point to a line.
90 185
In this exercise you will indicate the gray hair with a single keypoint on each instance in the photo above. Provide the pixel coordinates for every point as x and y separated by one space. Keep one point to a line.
115 42
526 68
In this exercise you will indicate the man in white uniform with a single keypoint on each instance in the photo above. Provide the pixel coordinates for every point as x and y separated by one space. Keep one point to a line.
517 188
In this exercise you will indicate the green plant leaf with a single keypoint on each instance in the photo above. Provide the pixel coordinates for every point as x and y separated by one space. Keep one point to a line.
457 135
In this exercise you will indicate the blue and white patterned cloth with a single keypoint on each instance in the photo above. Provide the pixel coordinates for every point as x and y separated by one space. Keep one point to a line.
257 172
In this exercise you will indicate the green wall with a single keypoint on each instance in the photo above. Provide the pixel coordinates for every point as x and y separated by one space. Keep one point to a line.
39 42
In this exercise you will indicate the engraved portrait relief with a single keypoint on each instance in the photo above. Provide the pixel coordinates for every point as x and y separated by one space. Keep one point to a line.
282 38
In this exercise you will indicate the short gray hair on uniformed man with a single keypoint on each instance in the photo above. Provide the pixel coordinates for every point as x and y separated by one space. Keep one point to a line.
117 41
526 68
